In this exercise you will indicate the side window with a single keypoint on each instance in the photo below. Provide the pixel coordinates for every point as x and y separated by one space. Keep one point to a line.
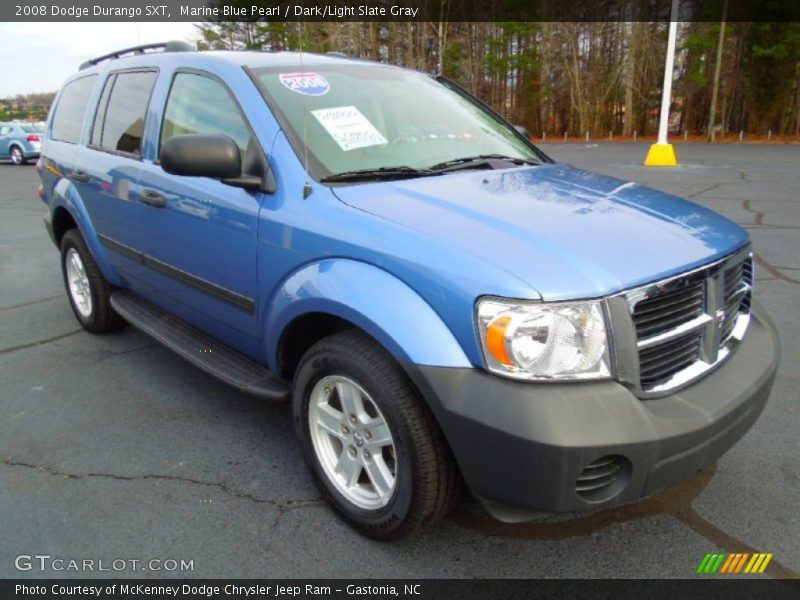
68 118
4 130
123 123
199 104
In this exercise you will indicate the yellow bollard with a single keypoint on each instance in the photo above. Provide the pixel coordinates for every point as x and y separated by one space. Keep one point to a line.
661 155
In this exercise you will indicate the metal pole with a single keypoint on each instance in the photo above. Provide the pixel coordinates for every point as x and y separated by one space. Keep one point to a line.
666 98
712 116
662 153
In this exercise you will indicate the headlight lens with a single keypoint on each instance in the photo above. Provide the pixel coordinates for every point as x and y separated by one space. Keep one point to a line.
537 341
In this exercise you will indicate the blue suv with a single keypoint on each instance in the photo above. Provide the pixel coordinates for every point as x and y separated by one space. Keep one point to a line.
442 303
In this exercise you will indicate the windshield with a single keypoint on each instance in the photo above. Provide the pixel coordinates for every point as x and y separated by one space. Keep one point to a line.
32 128
357 117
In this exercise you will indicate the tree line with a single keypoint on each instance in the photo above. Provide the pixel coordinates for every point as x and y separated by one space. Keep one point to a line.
576 77
26 107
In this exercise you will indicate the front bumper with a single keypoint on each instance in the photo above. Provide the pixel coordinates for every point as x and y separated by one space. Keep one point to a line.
522 446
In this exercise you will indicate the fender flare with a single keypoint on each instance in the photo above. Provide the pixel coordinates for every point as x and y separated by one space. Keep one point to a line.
370 298
65 196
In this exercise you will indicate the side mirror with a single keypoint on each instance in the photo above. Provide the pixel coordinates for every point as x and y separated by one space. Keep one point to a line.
523 131
215 156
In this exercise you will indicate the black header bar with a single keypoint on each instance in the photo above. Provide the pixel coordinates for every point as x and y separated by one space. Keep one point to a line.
396 10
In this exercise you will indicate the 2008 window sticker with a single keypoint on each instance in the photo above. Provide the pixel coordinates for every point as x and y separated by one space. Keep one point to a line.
308 84
349 127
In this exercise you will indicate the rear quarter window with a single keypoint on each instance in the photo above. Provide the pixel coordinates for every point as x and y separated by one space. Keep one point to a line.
71 108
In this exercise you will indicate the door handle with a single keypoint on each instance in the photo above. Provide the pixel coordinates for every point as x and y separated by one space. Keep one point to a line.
153 198
79 177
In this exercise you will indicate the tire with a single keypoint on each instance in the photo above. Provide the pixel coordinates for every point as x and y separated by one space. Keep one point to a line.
425 480
87 289
18 156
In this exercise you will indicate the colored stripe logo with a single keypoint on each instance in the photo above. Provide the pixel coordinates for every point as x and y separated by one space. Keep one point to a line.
733 563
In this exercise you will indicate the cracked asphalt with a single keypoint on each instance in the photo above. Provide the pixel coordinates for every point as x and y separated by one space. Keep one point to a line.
113 447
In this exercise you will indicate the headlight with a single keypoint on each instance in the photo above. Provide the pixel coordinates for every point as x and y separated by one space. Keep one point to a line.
540 341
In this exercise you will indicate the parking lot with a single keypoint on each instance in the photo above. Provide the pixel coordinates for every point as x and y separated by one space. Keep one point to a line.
112 447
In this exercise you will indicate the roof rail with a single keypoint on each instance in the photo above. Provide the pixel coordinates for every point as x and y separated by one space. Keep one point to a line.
173 46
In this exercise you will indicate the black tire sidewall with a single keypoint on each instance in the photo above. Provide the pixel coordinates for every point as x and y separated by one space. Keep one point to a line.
322 364
73 240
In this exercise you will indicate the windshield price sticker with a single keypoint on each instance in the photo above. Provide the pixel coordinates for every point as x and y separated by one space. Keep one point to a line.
310 84
349 127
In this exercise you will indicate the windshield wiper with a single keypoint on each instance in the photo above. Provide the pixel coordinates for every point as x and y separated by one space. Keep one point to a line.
379 173
472 162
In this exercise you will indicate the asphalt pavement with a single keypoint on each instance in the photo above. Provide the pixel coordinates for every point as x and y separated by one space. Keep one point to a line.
113 448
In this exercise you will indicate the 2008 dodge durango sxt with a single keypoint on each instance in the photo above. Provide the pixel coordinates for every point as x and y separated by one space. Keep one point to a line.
441 301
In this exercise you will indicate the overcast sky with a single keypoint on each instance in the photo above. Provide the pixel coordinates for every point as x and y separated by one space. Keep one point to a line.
37 57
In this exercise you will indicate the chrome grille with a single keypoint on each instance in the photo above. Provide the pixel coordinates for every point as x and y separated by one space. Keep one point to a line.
658 363
738 282
683 325
666 311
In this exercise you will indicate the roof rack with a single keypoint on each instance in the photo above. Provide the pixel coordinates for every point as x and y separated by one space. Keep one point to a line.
173 46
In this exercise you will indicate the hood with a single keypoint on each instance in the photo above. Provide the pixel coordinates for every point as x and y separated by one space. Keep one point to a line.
567 232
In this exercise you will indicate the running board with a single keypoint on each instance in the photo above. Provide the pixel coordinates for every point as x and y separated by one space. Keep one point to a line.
212 356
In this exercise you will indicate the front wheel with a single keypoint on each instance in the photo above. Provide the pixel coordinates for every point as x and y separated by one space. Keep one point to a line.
370 440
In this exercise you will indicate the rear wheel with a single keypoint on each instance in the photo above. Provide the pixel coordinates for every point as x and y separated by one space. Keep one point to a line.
370 440
18 156
87 289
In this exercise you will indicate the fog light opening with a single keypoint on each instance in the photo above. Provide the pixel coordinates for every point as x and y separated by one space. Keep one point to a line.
604 478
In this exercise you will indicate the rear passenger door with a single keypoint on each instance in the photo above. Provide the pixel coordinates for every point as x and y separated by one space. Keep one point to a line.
201 235
106 170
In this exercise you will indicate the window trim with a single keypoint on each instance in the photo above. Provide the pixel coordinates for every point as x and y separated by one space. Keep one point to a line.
225 86
138 157
52 122
100 108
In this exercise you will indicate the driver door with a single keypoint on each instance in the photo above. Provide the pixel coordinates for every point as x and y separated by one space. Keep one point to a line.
201 235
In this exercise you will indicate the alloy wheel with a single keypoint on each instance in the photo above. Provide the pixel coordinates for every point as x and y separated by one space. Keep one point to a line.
78 282
352 442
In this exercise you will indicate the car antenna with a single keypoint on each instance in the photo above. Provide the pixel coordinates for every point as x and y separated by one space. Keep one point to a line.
307 189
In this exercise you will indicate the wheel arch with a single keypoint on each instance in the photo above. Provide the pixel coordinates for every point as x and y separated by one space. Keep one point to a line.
63 221
302 333
337 293
68 206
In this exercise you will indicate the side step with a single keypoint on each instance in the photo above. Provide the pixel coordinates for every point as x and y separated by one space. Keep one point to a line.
212 356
